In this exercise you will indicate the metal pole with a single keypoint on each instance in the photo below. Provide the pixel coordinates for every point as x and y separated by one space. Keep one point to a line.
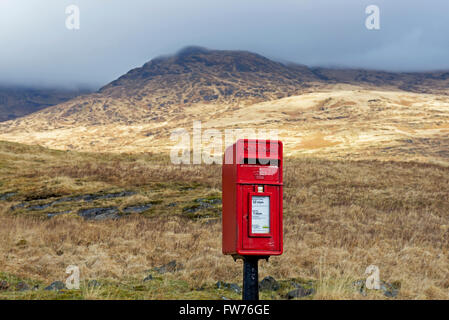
250 278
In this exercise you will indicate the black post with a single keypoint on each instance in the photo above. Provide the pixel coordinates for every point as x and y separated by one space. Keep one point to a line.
250 278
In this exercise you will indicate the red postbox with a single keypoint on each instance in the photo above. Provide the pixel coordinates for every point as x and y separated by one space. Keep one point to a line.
252 198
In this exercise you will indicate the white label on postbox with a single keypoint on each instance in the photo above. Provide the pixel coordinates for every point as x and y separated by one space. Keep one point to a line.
260 215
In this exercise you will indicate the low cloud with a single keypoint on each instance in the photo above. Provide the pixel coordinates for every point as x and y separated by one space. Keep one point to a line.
115 36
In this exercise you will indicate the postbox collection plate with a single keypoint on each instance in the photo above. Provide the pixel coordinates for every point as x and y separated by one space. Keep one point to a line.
259 214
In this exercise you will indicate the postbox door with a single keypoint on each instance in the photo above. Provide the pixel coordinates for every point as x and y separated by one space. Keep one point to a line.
260 225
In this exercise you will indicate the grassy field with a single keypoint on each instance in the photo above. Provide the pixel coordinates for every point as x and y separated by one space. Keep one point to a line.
339 217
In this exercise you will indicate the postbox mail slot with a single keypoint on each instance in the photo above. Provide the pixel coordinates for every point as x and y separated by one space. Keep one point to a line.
261 161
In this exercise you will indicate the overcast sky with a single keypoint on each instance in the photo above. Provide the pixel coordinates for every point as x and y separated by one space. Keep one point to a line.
115 36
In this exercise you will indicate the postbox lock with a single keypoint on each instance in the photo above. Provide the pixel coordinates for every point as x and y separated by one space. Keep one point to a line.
259 188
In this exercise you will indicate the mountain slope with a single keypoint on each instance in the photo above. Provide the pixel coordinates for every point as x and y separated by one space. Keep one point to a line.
199 75
436 82
330 113
343 122
165 85
17 102
161 89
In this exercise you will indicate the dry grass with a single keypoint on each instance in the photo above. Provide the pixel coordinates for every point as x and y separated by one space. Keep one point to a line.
316 141
340 217
339 122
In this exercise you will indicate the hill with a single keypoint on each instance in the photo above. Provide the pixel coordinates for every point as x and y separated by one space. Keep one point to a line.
349 114
17 102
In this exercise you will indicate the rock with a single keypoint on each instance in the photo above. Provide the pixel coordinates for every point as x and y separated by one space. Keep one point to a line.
209 201
235 287
39 206
93 284
268 284
391 293
4 285
85 197
172 266
7 195
202 203
18 206
137 209
56 286
359 285
99 213
229 286
22 286
220 284
299 293
148 278
92 197
195 208
389 290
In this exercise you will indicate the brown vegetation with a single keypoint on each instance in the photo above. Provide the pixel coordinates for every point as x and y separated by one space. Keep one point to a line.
366 180
340 217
